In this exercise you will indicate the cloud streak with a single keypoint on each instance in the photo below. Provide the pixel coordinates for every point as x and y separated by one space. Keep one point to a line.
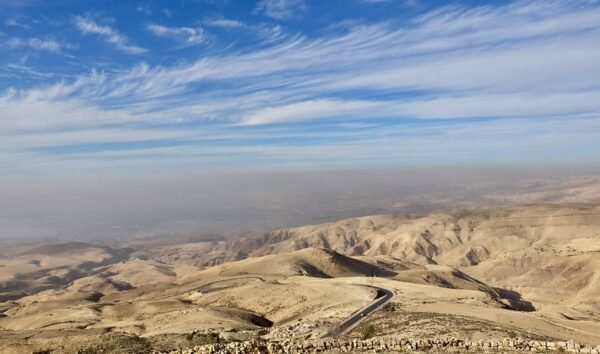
186 35
530 65
223 23
39 44
281 9
110 35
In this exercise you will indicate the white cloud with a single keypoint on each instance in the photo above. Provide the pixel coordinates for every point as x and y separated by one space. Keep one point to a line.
189 35
406 3
47 44
472 106
22 68
529 63
281 9
14 22
504 105
144 9
224 23
309 110
270 33
88 26
441 54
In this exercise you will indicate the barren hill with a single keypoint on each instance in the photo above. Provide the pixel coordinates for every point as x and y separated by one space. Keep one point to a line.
30 268
460 238
546 253
528 271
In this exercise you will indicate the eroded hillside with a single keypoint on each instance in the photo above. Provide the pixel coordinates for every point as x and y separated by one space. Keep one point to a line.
529 271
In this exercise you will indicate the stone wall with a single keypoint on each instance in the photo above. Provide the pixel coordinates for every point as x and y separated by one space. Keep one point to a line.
392 344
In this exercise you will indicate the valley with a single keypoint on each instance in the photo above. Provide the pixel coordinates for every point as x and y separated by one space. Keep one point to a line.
529 271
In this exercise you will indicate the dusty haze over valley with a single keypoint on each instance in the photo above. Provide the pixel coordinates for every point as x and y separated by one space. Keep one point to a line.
299 176
229 204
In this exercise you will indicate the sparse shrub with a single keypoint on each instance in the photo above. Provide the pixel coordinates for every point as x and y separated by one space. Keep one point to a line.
190 336
210 337
202 338
389 307
368 332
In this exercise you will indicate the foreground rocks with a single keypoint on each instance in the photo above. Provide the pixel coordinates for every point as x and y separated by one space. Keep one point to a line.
391 344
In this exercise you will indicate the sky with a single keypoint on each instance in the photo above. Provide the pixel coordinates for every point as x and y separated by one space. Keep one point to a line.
138 117
126 88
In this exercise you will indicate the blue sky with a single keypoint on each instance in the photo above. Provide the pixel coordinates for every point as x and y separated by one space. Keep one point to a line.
206 85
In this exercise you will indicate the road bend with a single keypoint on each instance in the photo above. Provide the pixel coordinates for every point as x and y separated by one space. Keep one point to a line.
382 298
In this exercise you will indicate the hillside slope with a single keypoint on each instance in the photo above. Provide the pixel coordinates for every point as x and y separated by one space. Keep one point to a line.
546 253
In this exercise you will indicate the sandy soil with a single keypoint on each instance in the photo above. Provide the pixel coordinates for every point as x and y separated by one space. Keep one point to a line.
530 271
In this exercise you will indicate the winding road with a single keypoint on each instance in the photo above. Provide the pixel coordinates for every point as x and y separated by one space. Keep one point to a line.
206 288
382 298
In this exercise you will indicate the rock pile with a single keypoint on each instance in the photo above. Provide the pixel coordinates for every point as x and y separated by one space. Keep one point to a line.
304 329
390 344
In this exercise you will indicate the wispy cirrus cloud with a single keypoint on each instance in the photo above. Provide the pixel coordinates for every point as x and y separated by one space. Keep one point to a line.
188 35
40 44
406 3
309 110
458 62
16 22
223 23
281 9
529 65
110 35
144 9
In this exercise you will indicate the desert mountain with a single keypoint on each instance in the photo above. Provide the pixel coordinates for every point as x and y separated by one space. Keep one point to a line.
529 271
461 238
30 268
548 254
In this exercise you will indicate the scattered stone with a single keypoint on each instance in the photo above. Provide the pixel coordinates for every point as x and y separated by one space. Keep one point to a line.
386 345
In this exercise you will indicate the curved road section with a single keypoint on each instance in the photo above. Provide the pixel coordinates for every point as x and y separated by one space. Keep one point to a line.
382 298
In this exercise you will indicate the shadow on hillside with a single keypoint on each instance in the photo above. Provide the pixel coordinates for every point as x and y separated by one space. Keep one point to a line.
515 301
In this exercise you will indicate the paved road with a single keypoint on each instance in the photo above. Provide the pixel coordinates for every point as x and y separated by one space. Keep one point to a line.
383 296
203 289
206 288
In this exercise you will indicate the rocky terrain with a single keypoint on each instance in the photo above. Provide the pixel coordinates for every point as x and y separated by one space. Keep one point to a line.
391 344
530 273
